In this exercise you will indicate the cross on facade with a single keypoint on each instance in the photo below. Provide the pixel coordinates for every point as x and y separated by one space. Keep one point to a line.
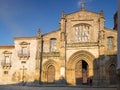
83 5
23 72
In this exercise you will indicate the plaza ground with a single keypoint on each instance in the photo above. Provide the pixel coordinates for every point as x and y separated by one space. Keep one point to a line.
9 87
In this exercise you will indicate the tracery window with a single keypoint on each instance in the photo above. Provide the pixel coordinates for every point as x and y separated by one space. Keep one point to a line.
82 32
110 43
53 44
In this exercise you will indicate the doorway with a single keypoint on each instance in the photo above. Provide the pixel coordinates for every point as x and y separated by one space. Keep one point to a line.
81 72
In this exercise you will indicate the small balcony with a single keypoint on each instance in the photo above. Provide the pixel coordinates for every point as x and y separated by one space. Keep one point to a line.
5 64
23 55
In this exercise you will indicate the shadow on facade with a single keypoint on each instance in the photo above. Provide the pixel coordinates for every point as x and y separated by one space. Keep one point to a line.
105 72
57 83
105 75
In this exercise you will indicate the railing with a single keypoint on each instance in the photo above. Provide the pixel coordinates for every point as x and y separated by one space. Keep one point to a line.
21 54
6 64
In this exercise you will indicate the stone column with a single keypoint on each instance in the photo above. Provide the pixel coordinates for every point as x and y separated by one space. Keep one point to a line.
118 60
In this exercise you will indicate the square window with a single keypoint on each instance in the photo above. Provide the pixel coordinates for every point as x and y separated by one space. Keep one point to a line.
5 72
23 62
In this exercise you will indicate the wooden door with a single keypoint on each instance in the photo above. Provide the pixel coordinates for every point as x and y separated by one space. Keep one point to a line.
78 72
84 76
51 74
84 72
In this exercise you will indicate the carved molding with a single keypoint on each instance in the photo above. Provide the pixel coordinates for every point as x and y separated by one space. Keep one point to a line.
51 54
83 44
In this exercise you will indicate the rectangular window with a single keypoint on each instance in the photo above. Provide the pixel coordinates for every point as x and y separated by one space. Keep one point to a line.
24 50
23 62
5 72
7 59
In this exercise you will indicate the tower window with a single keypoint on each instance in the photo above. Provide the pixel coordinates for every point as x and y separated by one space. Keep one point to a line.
110 43
53 44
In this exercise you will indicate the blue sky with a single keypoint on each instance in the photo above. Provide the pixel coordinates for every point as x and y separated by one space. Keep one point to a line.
19 18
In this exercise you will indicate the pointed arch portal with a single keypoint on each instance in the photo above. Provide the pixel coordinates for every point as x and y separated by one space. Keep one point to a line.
50 72
79 68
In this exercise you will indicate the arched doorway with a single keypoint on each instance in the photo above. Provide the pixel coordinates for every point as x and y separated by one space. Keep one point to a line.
112 74
81 72
79 67
51 74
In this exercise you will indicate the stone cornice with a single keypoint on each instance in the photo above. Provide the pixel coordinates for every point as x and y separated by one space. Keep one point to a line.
84 44
7 47
21 38
51 54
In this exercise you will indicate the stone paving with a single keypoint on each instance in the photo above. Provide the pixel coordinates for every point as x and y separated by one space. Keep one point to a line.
53 88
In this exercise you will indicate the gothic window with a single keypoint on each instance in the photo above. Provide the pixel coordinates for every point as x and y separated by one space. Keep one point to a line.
81 32
110 43
53 44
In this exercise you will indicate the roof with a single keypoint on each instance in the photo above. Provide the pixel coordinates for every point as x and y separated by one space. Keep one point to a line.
81 11
51 32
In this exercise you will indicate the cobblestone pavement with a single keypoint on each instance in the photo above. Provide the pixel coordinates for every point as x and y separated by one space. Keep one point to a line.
51 88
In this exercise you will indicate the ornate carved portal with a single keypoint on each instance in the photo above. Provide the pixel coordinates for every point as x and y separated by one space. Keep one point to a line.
81 73
51 74
79 68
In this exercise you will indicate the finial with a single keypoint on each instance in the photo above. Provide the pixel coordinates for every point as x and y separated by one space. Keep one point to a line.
63 15
39 33
102 13
83 5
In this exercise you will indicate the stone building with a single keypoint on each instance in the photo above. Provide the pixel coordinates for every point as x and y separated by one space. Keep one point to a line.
82 48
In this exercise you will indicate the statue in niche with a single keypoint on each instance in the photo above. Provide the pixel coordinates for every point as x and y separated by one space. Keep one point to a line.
16 76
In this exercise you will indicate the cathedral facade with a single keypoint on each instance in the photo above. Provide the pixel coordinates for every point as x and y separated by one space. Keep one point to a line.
80 50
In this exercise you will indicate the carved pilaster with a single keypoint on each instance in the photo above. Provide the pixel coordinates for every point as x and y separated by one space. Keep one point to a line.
38 57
